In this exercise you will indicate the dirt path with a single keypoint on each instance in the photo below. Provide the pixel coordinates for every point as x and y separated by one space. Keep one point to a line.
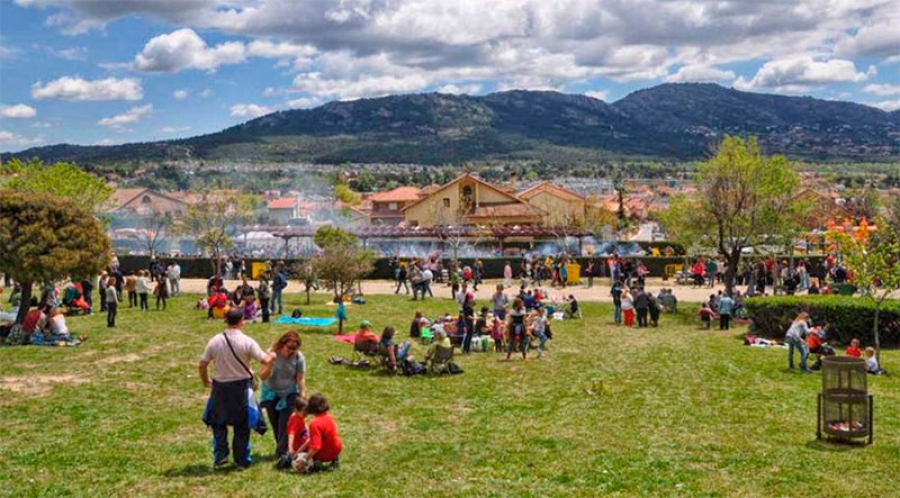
600 291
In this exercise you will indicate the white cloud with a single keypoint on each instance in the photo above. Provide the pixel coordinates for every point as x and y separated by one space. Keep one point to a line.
131 116
174 129
802 72
207 93
80 90
880 40
17 111
303 103
10 139
700 74
597 94
106 142
184 49
882 89
180 94
464 89
887 105
250 110
7 52
43 124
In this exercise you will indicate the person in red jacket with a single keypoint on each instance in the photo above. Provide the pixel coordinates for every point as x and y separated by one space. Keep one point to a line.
324 443
853 349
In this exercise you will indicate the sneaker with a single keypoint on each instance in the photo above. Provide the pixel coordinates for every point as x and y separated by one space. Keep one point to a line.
284 462
221 463
336 464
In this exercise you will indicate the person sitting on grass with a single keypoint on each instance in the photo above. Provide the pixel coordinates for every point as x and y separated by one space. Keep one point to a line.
297 436
324 443
817 346
853 349
365 335
872 366
418 323
706 314
440 340
387 347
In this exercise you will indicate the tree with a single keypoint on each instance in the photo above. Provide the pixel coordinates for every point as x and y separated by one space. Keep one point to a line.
45 238
154 230
342 263
328 235
874 261
743 199
62 180
213 220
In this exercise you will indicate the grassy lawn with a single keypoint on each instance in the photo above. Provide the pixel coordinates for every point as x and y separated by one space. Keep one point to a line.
674 411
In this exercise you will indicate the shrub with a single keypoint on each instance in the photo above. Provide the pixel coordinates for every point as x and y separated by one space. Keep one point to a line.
848 317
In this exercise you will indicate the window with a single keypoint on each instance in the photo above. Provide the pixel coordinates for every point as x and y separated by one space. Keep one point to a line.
146 199
446 201
392 206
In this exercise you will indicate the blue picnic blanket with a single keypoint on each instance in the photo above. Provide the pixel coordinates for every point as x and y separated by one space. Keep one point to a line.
306 320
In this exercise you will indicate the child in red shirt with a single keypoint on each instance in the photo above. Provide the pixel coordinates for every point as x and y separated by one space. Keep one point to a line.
324 443
853 349
298 435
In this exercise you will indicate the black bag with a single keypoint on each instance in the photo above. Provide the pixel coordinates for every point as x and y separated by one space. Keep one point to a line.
454 369
297 313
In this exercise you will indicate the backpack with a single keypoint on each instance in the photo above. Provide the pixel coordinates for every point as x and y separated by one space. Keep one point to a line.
297 313
453 368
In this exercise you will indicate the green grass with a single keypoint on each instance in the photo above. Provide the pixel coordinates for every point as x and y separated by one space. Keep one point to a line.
674 411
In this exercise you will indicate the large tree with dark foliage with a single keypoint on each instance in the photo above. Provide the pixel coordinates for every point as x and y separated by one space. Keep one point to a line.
45 238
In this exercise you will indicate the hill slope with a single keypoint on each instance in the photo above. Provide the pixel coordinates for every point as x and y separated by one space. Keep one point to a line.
671 121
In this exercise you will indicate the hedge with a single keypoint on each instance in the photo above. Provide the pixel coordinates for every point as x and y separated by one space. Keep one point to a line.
849 317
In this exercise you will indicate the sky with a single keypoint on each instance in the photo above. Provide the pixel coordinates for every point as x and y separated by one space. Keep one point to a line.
103 72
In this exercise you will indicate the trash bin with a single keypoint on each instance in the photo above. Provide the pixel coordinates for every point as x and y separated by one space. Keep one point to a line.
845 406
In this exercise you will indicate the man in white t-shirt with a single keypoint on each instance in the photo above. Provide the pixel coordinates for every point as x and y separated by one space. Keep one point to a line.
230 352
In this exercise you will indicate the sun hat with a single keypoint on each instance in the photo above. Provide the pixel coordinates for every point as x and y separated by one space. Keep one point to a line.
365 324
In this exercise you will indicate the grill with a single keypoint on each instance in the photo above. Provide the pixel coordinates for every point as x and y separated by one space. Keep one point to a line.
845 405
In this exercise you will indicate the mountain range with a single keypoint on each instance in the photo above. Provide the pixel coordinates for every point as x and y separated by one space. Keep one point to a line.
669 122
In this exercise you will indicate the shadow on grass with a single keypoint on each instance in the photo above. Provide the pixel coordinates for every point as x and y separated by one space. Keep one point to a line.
835 445
205 469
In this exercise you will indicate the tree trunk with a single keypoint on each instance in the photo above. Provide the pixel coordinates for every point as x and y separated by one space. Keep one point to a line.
307 294
733 260
25 302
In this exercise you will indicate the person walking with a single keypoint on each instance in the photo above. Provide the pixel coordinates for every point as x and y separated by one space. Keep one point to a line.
228 403
112 303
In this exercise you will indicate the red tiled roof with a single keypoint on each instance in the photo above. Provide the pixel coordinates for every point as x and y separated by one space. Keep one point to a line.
399 194
289 203
560 192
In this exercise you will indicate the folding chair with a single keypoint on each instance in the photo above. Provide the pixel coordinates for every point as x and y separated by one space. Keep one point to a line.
365 349
439 362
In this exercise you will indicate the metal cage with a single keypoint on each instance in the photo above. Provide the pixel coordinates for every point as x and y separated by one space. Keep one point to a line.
845 406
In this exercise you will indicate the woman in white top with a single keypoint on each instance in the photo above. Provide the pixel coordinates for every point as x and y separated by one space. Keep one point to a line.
796 339
628 308
56 323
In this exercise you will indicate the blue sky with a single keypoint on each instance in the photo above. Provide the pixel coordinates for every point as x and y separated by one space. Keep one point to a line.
108 71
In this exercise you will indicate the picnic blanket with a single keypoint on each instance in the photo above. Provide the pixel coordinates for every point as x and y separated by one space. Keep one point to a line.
348 338
306 320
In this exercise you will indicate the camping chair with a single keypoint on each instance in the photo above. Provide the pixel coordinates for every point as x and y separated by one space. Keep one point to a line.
440 361
366 349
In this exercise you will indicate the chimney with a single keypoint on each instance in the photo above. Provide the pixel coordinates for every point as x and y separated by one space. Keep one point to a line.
512 181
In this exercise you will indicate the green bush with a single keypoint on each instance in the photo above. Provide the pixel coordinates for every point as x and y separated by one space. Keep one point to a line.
847 316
